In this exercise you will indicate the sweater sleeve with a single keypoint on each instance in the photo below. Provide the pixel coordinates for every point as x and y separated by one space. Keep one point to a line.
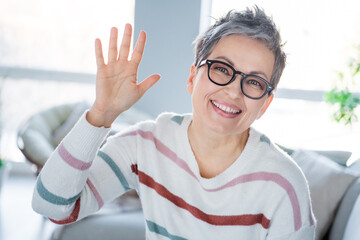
78 178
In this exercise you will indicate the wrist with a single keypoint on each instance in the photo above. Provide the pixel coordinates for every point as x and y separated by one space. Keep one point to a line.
98 118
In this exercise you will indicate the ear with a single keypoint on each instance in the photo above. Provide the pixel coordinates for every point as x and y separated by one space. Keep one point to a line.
191 79
265 106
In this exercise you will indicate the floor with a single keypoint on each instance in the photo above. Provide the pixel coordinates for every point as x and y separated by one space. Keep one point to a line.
17 219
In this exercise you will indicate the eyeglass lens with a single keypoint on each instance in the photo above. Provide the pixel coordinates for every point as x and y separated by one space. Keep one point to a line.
251 85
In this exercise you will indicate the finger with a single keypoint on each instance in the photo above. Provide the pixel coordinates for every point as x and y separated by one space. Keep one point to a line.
125 43
99 54
148 83
139 48
113 45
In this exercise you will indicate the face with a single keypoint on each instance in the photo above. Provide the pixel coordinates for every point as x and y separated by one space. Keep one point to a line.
224 109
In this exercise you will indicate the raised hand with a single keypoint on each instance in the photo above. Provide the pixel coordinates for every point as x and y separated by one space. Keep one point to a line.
117 88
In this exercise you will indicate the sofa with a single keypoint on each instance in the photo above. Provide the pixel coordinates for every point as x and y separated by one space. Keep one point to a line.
334 183
333 178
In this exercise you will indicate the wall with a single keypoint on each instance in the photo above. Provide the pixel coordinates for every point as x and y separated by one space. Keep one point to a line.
171 28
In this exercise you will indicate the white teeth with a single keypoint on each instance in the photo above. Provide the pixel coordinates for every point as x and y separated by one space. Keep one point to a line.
225 109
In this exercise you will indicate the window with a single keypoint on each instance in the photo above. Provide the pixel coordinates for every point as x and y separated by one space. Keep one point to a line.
58 35
54 39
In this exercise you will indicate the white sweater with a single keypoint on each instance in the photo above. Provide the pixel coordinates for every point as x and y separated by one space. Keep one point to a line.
262 195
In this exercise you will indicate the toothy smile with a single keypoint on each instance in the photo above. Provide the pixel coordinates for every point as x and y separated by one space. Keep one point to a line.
225 108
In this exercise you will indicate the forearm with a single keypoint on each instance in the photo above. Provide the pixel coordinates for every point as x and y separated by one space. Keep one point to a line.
64 178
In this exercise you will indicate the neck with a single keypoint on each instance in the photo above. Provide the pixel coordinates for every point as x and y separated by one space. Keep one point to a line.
214 152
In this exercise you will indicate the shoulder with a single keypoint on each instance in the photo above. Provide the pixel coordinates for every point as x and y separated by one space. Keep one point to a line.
167 122
286 173
290 181
274 158
170 118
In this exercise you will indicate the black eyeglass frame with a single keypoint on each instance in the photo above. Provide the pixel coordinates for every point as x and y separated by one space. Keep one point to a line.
269 87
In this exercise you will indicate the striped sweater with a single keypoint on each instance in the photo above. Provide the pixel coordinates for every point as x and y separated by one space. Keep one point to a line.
262 195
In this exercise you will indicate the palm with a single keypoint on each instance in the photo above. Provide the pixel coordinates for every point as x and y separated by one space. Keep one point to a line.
116 82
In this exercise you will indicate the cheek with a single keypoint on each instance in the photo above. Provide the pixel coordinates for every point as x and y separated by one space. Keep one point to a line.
254 108
202 87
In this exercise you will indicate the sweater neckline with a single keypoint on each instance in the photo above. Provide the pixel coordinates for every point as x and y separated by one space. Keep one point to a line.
234 170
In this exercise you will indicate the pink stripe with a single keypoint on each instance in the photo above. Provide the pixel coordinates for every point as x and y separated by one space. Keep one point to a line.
96 193
72 161
163 149
259 176
276 178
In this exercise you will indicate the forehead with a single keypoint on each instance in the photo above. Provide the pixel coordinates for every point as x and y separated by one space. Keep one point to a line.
245 54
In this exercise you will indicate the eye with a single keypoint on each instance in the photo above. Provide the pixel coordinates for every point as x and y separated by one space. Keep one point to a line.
254 82
222 69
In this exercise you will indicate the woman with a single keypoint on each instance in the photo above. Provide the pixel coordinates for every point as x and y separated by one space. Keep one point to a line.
205 175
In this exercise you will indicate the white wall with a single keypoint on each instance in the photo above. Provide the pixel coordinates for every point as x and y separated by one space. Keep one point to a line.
171 28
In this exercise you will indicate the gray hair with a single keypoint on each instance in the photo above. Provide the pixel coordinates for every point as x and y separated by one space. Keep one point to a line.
251 23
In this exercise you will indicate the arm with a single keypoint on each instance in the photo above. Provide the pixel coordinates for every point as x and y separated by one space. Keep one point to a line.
72 182
62 187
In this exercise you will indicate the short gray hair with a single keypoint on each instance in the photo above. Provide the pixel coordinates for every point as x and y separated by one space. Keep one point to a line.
251 23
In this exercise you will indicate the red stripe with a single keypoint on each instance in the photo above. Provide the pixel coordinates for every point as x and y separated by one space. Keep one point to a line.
258 176
72 218
240 220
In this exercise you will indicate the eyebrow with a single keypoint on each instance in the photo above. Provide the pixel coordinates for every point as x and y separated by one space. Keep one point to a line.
232 64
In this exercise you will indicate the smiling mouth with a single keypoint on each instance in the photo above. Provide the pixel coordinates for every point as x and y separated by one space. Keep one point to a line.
225 108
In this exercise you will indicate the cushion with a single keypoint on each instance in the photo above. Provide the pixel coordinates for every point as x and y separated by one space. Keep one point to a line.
352 230
340 157
72 118
37 147
347 220
37 132
328 181
347 216
55 116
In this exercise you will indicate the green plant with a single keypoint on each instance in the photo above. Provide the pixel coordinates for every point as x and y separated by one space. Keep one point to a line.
345 101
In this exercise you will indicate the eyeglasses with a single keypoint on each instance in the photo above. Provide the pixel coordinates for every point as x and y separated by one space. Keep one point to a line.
222 74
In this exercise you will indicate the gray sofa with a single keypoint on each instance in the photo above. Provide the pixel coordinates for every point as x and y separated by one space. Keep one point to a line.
334 183
104 226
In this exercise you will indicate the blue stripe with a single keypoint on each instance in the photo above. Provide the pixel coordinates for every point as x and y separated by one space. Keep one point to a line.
178 119
153 227
115 169
52 198
265 139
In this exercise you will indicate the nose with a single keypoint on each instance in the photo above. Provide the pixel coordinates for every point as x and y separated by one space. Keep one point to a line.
234 88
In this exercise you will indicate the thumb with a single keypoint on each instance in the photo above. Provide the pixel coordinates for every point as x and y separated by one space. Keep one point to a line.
148 83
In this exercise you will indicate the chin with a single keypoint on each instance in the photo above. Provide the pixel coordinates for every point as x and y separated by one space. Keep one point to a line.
224 130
